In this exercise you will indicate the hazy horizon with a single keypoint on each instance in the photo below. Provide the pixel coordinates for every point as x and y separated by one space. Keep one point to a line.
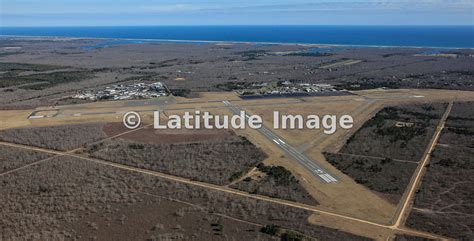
50 13
245 25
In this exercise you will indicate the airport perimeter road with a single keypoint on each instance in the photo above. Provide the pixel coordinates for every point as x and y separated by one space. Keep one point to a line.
404 207
304 160
216 188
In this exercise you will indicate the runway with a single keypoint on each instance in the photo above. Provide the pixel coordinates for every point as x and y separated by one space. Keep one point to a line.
304 160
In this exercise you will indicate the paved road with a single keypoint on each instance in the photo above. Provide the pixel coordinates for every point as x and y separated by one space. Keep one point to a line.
304 160
163 105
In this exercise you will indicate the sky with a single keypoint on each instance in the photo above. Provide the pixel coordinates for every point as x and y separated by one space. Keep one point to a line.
230 12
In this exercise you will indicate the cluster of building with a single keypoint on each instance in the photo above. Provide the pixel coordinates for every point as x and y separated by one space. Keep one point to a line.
287 87
306 87
125 92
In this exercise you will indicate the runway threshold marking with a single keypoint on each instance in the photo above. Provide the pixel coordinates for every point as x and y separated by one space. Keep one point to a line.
289 150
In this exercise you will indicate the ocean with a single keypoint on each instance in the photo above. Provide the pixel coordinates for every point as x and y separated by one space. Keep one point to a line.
384 36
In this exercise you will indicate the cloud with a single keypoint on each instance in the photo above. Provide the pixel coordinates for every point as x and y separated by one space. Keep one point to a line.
237 7
171 8
191 12
370 5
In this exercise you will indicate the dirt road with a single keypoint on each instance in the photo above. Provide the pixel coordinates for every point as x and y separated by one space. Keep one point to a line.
403 209
216 188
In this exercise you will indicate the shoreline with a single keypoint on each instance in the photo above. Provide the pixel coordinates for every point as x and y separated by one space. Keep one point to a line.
231 42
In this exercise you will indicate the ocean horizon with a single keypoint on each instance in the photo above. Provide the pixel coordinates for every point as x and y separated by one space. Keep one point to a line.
375 36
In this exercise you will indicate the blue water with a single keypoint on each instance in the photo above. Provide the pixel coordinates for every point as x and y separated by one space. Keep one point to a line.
110 43
323 50
414 36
